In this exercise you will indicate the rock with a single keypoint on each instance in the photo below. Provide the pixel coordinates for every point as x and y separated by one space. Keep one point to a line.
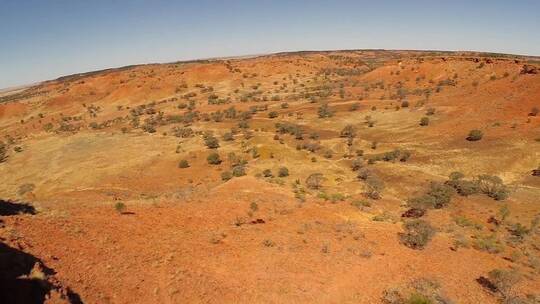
536 172
529 69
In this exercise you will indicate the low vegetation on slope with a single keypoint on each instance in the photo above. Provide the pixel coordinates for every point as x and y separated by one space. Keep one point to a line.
431 154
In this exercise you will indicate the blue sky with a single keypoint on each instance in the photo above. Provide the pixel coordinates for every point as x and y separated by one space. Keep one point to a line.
41 40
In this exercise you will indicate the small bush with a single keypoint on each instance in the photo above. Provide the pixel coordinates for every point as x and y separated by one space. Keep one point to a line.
488 243
348 131
273 114
464 187
492 186
430 111
534 111
405 104
213 159
456 175
267 173
183 164
324 111
357 164
211 142
424 121
364 173
373 187
228 136
314 181
238 170
475 135
417 234
3 152
25 188
404 156
504 281
328 154
120 207
226 175
438 196
283 172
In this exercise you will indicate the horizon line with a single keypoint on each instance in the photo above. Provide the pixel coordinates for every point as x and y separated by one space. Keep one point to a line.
249 56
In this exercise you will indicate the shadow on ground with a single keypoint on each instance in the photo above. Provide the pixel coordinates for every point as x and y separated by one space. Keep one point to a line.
16 286
8 207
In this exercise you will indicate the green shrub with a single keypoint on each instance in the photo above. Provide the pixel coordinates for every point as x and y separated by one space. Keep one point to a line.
417 298
475 135
417 234
373 187
314 181
364 173
438 196
213 159
391 155
348 131
238 170
361 203
464 187
3 151
228 136
492 186
488 243
226 175
404 156
518 230
183 164
324 111
283 172
505 281
25 188
120 207
328 154
456 175
357 164
211 142
267 173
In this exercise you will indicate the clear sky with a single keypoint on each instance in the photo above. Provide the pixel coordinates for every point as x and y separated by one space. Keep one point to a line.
44 39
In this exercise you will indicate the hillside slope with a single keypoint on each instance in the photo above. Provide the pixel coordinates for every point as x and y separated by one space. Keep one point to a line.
291 177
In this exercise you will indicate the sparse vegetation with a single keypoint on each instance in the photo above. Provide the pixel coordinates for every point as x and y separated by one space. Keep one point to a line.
314 181
417 234
283 172
475 135
120 207
213 158
438 196
211 142
183 164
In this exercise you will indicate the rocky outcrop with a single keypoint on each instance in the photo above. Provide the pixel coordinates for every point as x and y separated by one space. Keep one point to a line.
529 69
